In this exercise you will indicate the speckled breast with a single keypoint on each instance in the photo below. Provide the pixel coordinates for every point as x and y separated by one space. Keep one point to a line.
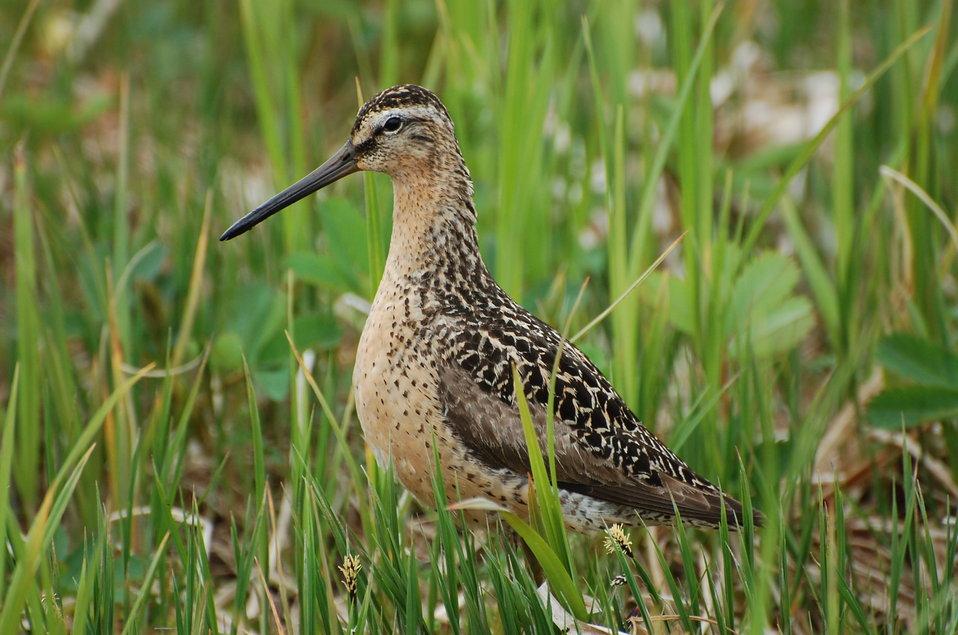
395 382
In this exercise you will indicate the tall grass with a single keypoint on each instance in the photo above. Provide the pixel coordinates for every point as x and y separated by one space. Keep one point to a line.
180 447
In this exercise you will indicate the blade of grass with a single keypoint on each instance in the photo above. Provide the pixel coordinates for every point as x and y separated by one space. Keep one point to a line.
26 469
15 42
546 510
146 587
632 287
337 427
6 462
552 567
650 184
38 539
923 196
195 284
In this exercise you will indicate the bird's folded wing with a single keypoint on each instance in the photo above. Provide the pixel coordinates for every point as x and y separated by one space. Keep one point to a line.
491 431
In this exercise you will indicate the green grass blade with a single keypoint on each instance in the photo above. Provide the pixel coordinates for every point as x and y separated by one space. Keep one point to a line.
38 539
26 469
552 567
145 588
6 462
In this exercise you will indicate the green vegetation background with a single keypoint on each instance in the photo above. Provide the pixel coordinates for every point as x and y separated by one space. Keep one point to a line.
179 446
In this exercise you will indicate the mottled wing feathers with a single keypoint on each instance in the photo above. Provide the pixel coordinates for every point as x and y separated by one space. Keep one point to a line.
488 341
491 430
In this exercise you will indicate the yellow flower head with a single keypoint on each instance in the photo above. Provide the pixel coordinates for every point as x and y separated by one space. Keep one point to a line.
350 569
615 536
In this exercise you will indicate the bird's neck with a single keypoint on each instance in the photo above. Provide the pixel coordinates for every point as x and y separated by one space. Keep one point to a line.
434 220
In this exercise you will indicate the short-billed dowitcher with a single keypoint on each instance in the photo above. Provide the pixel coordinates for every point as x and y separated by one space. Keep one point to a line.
435 360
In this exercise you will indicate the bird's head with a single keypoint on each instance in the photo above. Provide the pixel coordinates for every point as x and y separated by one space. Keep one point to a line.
402 130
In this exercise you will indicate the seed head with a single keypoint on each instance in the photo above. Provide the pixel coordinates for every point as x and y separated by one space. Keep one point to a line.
350 569
615 536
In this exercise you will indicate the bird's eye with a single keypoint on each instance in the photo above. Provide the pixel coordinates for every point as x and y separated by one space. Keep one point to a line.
392 125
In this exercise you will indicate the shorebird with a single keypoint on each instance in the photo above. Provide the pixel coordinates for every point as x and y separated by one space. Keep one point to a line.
434 367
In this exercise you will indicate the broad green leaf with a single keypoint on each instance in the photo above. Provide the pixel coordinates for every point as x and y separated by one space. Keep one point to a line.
912 405
763 309
322 270
272 382
318 330
780 329
227 352
342 265
346 231
151 262
764 283
258 314
50 116
918 360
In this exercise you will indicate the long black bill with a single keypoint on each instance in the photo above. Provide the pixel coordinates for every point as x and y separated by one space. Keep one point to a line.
343 162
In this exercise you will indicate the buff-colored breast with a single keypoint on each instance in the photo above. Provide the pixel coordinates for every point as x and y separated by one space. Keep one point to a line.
395 396
396 383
